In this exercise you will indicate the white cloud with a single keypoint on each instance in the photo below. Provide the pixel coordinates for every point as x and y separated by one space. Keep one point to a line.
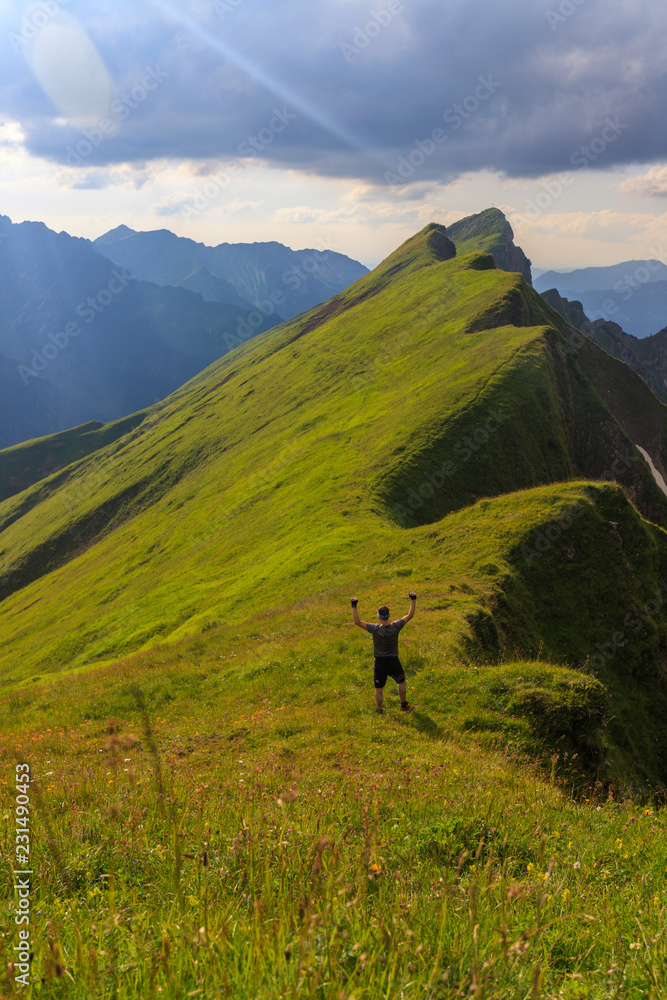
11 133
652 184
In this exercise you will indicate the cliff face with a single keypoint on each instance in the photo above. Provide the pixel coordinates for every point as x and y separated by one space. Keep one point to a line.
647 355
514 259
490 232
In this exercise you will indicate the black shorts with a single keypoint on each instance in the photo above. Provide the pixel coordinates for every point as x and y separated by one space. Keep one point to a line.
388 666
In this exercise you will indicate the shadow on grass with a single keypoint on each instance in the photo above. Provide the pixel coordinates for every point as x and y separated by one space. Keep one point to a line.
424 724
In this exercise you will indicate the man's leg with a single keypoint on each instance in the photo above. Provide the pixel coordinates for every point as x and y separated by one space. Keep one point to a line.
379 679
403 695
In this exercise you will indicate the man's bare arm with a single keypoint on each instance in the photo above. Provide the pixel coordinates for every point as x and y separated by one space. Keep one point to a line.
355 615
413 605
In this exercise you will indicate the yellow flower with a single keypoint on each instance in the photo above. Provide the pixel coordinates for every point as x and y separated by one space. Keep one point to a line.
619 844
376 868
565 895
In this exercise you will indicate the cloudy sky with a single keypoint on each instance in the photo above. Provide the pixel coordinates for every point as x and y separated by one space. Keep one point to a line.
341 124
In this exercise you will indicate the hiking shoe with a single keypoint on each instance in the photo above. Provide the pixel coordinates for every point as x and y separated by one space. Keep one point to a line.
407 708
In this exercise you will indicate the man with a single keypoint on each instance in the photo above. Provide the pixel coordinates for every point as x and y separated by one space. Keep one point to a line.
385 651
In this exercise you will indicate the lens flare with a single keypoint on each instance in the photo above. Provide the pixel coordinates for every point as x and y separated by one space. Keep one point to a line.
71 71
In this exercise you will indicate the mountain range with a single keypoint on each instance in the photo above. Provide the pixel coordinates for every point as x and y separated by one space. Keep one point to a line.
163 307
83 338
270 276
633 294
432 425
647 356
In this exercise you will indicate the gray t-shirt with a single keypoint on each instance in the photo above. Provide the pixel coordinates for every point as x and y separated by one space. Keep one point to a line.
385 637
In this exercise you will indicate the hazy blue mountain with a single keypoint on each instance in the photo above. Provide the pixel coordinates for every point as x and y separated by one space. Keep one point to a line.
105 343
641 312
632 294
34 409
163 258
268 275
592 279
647 356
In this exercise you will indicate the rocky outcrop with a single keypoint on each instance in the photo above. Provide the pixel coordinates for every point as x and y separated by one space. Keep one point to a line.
490 232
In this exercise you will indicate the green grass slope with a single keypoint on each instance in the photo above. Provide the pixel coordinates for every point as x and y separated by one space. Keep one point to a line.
348 431
216 808
25 464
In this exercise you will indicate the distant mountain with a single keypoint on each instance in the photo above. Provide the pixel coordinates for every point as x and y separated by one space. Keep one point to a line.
33 408
161 257
632 294
600 279
279 280
81 339
490 232
642 312
647 356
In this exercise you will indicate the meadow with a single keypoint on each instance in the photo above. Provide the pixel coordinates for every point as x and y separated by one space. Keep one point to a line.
215 808
212 820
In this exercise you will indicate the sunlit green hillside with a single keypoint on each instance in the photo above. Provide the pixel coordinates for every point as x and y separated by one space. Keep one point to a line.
218 810
300 467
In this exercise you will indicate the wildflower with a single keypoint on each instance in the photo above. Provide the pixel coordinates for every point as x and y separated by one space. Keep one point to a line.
565 895
577 865
619 844
376 868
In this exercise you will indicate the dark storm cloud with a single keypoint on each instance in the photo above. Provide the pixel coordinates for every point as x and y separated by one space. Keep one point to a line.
409 89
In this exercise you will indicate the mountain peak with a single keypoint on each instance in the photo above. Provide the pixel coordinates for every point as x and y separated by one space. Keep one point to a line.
490 232
121 232
431 245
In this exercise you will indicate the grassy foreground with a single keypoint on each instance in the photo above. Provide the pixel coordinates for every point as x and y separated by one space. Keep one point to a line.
245 825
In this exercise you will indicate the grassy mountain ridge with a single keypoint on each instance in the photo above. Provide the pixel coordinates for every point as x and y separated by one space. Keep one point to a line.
218 506
25 464
238 820
459 302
